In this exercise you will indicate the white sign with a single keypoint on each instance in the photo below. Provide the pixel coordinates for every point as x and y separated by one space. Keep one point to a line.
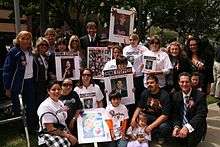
67 66
92 127
121 25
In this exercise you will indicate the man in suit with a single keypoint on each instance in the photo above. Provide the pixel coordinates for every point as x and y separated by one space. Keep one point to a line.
91 39
121 89
189 112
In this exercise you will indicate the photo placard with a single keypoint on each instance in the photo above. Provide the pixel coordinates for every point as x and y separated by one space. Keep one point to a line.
123 83
97 58
150 63
121 25
92 127
67 66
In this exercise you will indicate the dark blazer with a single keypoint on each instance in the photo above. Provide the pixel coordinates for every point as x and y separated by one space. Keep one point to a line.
196 114
85 42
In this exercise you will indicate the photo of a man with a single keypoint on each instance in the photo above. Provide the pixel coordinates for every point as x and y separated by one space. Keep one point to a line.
120 85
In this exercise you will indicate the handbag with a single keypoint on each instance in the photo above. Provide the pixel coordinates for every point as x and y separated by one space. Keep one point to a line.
52 140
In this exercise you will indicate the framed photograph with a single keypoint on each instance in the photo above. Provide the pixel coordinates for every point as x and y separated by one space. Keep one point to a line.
121 25
67 66
92 127
123 83
150 63
97 57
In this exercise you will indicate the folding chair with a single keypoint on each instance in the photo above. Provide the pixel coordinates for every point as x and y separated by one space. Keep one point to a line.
6 110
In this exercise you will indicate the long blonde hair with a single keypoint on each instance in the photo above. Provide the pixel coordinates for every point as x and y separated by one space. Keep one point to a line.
74 37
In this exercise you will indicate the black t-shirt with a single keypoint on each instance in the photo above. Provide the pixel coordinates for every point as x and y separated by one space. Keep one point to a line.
73 102
155 104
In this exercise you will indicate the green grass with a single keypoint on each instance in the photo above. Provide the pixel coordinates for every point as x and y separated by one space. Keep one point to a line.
211 100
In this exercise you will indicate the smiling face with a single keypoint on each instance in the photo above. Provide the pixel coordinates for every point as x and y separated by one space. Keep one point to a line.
24 38
86 78
154 45
193 46
67 86
133 41
152 85
43 48
185 84
54 92
174 50
115 101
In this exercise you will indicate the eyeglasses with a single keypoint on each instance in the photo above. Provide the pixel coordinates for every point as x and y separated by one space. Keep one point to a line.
89 75
67 84
154 42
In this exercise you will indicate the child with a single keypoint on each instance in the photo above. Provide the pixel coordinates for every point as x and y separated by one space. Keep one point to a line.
137 135
117 116
195 80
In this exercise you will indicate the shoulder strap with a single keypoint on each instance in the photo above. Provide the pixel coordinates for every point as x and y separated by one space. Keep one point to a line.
41 125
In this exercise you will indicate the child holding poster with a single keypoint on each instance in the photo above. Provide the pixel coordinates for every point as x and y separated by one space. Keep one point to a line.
117 116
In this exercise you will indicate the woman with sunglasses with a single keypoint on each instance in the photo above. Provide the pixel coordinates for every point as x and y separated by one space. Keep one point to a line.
40 56
52 112
160 59
90 94
70 99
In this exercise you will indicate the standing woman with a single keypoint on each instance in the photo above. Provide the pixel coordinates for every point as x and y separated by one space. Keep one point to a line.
52 111
74 47
18 75
89 93
200 62
180 64
40 55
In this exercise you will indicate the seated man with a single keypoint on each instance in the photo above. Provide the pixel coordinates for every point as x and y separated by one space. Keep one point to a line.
155 102
189 111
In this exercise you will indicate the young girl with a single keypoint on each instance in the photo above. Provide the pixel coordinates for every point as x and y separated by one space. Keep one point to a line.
195 80
138 137
117 115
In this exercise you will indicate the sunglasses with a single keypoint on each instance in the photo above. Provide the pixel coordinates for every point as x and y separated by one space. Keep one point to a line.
89 75
43 44
154 42
67 84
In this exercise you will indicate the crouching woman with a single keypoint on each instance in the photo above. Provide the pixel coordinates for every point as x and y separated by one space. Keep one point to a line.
52 115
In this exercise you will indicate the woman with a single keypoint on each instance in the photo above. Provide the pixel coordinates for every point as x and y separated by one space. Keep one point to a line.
50 111
40 55
18 75
61 45
70 99
74 47
180 64
89 93
201 62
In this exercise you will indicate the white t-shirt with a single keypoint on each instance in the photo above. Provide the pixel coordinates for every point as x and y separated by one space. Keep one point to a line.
162 64
139 131
57 108
89 96
29 65
111 65
117 114
134 55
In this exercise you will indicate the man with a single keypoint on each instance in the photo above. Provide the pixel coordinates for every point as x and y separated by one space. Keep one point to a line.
91 39
155 102
50 35
120 88
189 111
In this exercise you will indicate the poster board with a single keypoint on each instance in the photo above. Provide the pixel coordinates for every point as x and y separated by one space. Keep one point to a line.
150 63
121 25
121 81
97 58
67 66
92 127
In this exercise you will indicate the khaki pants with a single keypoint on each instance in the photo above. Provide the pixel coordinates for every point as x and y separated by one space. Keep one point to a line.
215 87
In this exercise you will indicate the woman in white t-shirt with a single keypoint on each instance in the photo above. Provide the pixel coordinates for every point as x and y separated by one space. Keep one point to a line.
89 93
52 110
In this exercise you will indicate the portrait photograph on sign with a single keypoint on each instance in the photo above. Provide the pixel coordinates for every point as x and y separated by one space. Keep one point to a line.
123 84
121 25
97 57
67 66
92 127
149 63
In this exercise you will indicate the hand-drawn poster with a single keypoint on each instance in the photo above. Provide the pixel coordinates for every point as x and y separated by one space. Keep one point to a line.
92 127
97 57
121 25
67 66
121 81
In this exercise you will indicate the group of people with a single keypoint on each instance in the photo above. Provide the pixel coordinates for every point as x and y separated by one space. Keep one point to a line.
170 100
